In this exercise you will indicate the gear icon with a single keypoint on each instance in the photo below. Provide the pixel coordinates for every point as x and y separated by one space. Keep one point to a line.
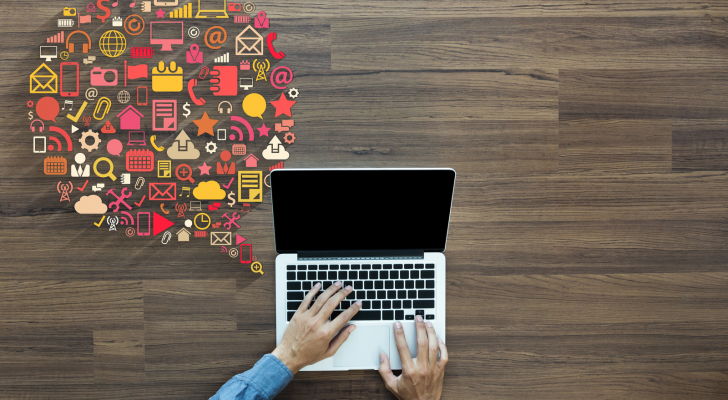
211 147
293 93
86 146
30 103
289 137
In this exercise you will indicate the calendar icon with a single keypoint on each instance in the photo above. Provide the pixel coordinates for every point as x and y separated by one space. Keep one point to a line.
55 166
139 160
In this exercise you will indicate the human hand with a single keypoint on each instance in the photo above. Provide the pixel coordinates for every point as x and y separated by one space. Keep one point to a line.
422 377
309 337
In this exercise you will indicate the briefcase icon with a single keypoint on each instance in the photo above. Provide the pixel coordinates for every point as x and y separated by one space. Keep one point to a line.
69 12
163 191
167 79
220 239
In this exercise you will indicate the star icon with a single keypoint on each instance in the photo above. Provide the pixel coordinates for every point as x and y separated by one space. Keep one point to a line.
263 130
205 125
160 13
204 169
283 105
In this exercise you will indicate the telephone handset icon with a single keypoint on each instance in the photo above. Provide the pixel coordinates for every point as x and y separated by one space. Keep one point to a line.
158 148
190 86
270 38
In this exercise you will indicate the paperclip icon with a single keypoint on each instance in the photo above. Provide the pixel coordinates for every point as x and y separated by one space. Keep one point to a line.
139 183
104 101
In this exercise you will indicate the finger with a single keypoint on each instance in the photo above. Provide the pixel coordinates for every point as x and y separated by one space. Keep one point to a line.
402 348
309 297
422 342
339 339
324 297
432 342
346 316
334 301
390 381
443 354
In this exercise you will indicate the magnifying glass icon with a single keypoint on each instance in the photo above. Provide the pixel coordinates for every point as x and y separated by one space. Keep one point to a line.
186 173
257 267
109 174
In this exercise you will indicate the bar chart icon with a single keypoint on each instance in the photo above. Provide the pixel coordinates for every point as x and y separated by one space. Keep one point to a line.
182 12
57 38
225 58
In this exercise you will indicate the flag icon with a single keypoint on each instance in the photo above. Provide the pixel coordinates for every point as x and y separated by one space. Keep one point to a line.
135 71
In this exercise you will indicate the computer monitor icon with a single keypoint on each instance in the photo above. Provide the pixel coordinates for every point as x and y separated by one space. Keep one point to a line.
49 52
246 83
212 9
166 33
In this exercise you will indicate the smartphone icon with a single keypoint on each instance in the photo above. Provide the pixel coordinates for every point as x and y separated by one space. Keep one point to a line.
69 79
142 96
246 253
39 144
144 224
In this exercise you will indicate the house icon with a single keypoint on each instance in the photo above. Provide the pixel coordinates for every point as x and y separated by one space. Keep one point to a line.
183 235
130 118
251 161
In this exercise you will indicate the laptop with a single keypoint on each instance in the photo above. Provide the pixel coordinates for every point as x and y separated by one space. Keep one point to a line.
137 138
383 232
212 9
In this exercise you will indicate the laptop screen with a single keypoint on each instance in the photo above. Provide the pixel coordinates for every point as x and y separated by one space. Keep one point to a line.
367 209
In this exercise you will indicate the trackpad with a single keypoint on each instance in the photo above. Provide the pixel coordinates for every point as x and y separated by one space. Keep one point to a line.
362 348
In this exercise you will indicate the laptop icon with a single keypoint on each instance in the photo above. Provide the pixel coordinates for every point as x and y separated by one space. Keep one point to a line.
195 206
137 138
212 9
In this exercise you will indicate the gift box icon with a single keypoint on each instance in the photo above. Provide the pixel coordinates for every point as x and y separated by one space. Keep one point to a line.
167 79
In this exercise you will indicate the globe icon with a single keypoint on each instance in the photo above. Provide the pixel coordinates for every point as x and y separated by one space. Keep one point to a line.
123 97
112 44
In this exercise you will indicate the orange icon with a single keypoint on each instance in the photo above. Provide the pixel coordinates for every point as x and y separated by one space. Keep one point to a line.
218 37
55 166
134 24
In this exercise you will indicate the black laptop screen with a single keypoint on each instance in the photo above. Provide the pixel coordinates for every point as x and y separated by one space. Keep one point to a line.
375 209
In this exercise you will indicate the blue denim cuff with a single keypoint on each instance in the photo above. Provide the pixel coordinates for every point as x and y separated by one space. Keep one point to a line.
269 376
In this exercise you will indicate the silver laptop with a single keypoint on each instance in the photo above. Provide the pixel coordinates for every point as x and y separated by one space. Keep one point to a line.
383 232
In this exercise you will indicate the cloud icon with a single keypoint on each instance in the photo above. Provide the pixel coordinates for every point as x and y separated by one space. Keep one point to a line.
275 150
91 204
209 190
182 148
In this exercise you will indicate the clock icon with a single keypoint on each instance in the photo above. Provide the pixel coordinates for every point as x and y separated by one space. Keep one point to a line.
202 219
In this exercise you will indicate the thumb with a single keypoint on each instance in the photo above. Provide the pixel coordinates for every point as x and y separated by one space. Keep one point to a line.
386 372
339 339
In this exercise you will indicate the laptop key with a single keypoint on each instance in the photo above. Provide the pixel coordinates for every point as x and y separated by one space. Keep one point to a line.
343 275
415 274
391 294
384 275
291 276
301 267
420 284
301 276
322 275
350 296
290 315
293 305
353 274
290 267
429 316
401 294
424 303
428 274
407 304
394 275
294 285
371 294
332 275
376 304
348 283
363 275
306 285
344 266
312 267
377 266
409 317
399 284
389 284
368 285
399 315
366 305
397 304
408 266
381 294
334 267
409 284
367 316
419 312
388 315
430 284
387 266
374 275
404 275
323 267
311 275
295 295
355 266
427 294
366 266
344 305
335 314
387 304
430 266
411 294
358 285
419 266
361 295
327 284
378 284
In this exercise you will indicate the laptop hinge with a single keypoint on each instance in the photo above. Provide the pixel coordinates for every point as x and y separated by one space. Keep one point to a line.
361 255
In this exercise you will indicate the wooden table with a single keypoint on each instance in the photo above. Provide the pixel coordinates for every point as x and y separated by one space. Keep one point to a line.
587 248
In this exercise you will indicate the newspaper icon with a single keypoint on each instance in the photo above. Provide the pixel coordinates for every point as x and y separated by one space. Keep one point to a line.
164 115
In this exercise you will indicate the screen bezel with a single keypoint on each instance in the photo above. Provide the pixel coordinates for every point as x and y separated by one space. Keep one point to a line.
452 197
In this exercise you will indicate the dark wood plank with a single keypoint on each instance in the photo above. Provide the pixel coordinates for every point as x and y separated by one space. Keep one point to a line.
699 145
119 356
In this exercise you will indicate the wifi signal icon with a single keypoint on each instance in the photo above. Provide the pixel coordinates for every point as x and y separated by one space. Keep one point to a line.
65 135
126 218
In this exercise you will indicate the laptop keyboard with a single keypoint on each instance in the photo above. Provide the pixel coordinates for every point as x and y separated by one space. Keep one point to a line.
387 291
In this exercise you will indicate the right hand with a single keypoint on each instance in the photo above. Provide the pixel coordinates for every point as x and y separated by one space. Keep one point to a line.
422 377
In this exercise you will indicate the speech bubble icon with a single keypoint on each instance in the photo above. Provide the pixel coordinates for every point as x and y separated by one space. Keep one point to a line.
254 105
48 108
114 147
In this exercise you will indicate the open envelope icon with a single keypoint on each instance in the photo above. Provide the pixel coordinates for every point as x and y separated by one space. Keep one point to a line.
249 43
163 191
43 80
221 238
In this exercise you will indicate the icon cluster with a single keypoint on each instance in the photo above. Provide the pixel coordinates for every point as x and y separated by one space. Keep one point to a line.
175 185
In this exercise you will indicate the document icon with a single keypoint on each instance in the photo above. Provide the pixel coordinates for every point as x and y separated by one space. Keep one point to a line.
250 186
164 169
164 115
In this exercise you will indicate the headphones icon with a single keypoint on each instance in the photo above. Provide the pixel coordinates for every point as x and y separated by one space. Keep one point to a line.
228 110
32 128
70 47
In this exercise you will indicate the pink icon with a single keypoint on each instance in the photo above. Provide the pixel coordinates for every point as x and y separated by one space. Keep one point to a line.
135 71
164 115
194 55
99 77
91 8
245 65
84 19
241 19
130 118
261 21
225 81
251 161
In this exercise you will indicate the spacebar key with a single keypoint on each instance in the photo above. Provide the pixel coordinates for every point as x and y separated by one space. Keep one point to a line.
367 316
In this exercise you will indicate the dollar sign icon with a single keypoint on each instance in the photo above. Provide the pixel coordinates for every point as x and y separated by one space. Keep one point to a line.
102 7
232 200
186 107
30 115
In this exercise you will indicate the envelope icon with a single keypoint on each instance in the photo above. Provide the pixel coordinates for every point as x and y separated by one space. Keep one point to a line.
43 80
163 191
249 43
220 238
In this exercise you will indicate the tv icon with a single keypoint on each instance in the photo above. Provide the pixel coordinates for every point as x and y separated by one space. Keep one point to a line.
246 83
48 52
166 33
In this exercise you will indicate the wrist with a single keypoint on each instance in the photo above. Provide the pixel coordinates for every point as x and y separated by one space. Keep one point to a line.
285 356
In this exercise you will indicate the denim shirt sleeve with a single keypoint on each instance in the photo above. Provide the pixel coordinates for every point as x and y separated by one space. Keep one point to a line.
262 382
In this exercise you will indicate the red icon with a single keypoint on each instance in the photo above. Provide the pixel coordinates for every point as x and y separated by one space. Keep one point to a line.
48 108
184 173
283 77
141 160
108 128
142 52
67 89
160 224
135 71
190 86
98 77
214 207
163 191
269 39
261 21
225 81
194 55
224 168
71 47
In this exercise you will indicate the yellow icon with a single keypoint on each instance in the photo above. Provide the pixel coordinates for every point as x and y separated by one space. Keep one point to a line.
250 186
112 44
209 190
254 105
202 218
99 104
249 43
158 148
257 267
64 55
164 169
76 117
167 80
69 12
109 174
261 69
45 81
100 222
